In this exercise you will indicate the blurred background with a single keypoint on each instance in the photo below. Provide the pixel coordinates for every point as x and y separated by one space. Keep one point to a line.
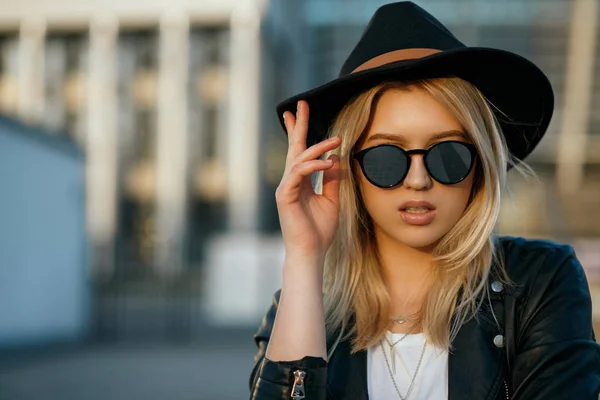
140 152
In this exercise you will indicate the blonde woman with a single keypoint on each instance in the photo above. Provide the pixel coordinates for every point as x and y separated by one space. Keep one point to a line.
394 283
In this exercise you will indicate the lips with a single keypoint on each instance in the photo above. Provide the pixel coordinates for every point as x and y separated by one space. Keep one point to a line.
417 213
415 205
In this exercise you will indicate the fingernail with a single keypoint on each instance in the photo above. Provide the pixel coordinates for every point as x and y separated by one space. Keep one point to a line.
299 106
284 116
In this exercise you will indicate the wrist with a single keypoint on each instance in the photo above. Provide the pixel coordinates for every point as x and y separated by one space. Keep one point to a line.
304 260
305 272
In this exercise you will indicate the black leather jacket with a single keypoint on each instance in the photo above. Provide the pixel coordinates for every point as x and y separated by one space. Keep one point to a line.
548 352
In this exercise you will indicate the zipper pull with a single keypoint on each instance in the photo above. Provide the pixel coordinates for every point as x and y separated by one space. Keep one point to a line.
298 388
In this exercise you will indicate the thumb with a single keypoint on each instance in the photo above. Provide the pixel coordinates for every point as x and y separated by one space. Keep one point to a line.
331 180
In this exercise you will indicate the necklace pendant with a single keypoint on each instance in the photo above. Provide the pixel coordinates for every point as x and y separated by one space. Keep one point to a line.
393 357
399 320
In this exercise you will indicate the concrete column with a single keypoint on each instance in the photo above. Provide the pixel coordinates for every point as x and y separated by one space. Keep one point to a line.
30 106
172 142
571 148
243 127
237 261
101 143
222 123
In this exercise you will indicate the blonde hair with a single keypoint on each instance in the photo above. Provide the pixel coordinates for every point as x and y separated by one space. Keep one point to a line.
353 283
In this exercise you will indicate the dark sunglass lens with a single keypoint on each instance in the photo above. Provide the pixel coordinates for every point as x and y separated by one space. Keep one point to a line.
385 166
449 162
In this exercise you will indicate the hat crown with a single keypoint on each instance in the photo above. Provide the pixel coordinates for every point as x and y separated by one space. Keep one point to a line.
399 26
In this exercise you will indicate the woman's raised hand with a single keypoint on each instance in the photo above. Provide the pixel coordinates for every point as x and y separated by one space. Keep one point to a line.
308 220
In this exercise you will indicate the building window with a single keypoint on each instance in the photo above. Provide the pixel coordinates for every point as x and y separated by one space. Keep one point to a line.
65 69
8 74
136 96
207 100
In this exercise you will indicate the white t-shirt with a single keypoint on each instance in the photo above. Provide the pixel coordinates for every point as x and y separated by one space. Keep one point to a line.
431 381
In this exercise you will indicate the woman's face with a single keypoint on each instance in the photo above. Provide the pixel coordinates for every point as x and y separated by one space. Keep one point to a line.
412 119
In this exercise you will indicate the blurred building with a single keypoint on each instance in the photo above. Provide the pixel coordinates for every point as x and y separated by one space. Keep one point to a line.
173 105
146 92
165 101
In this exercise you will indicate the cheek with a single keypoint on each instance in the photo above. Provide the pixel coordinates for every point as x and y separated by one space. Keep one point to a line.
366 193
380 204
372 197
457 198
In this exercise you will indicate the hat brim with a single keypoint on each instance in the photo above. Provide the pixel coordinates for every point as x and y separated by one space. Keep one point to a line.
519 91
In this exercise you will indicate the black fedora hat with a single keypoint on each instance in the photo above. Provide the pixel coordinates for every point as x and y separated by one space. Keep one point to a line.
404 42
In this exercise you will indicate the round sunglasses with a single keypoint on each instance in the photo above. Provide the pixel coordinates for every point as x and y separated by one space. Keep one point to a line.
387 165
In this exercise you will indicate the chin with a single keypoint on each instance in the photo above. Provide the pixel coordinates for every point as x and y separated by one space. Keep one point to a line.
421 238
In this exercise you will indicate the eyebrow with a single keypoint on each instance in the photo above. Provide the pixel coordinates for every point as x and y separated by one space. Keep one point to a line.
397 138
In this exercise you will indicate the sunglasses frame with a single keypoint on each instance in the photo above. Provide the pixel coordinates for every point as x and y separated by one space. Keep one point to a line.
360 155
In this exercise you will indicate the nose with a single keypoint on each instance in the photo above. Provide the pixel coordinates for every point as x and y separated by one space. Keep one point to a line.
417 178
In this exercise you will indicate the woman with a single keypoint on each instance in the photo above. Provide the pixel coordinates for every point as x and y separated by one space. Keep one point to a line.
394 284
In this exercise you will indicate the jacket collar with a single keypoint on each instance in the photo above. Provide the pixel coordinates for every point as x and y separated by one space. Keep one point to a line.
475 365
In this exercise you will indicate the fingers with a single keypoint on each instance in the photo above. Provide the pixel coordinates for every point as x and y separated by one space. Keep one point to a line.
301 128
290 186
306 168
301 162
289 121
297 129
331 180
317 150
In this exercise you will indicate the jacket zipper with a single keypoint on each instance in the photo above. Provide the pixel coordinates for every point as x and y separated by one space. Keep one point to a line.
298 388
506 389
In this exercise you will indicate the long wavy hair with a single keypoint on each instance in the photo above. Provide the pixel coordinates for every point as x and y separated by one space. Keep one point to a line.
356 299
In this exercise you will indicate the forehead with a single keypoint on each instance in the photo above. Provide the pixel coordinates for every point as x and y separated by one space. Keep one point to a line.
411 115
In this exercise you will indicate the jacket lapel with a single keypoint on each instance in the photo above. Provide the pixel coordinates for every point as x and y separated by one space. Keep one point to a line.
476 364
347 374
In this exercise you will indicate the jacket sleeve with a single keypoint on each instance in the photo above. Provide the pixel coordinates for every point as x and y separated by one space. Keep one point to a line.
271 380
557 356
